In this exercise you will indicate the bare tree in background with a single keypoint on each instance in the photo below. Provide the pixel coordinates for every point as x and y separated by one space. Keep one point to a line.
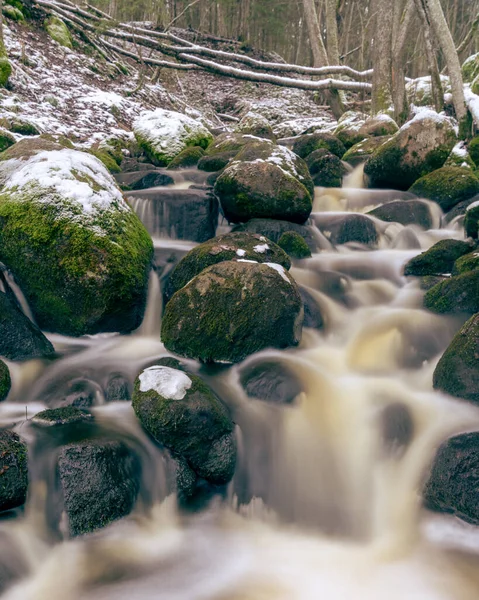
382 57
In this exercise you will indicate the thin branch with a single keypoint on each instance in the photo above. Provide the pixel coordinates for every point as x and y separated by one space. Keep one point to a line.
186 9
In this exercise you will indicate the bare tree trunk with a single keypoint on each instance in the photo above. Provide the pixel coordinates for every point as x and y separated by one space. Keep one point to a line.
332 31
398 81
437 92
438 22
382 58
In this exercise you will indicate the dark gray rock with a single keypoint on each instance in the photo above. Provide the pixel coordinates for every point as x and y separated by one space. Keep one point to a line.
117 388
142 180
13 470
347 227
406 212
439 259
271 382
273 230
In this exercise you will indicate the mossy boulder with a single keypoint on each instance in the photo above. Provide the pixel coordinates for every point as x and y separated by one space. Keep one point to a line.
348 128
354 227
5 70
265 181
230 246
22 127
294 244
457 294
99 481
77 250
457 372
453 480
406 212
231 310
6 140
65 415
460 157
471 220
306 144
188 157
419 91
470 68
13 13
163 134
475 85
214 163
181 413
473 148
421 146
106 158
326 168
5 381
255 124
13 470
379 126
273 230
468 262
59 32
361 151
447 186
439 259
20 339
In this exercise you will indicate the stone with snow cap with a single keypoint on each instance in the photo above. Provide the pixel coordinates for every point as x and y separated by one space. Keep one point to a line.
233 309
163 134
182 413
77 250
230 246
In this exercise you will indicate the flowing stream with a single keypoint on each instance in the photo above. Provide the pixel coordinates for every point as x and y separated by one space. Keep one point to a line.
325 502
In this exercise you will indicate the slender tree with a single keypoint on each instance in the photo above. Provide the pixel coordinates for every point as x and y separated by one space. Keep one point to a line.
382 57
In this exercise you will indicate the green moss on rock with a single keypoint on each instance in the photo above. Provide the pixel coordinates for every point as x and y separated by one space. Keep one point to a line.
194 424
439 259
230 246
109 162
65 415
468 262
59 32
470 68
257 125
447 186
231 310
189 157
294 245
473 148
5 381
13 13
5 70
458 294
326 168
6 140
348 128
361 151
306 144
13 470
379 126
273 230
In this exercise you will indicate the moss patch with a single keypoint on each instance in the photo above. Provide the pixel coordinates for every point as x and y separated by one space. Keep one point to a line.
459 294
438 260
309 143
447 186
5 381
189 157
294 245
59 32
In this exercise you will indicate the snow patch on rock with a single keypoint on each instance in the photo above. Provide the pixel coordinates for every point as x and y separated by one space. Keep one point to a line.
279 269
165 381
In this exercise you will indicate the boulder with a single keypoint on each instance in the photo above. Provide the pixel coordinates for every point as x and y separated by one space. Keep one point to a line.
230 246
117 388
265 181
468 262
361 151
473 149
13 470
99 480
447 186
20 339
453 481
327 170
458 294
460 157
163 134
344 228
59 32
470 68
379 126
348 129
6 140
5 381
188 157
229 144
294 244
439 259
65 415
471 219
231 310
273 230
181 413
271 382
419 90
76 249
406 212
257 125
313 315
308 143
421 146
457 372
142 180
214 163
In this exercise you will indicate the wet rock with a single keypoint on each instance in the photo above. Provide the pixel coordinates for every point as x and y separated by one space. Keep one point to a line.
274 229
163 134
257 125
5 381
189 157
117 388
190 214
265 181
379 126
406 212
231 310
100 481
181 413
457 372
360 152
453 481
306 144
142 180
13 470
397 426
230 246
313 316
214 163
458 294
271 382
326 169
348 129
345 228
66 415
20 339
294 244
447 186
429 281
79 275
471 220
439 259
421 146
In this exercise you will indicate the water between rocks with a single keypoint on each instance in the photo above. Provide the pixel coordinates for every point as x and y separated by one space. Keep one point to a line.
325 501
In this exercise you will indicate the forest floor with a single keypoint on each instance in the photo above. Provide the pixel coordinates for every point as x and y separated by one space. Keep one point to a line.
72 93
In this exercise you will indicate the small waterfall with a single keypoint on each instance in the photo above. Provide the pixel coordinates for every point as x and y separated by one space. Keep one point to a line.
151 325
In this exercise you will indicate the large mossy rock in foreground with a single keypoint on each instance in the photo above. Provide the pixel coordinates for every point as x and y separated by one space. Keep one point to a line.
447 186
180 412
13 470
453 482
421 146
230 246
163 134
77 250
459 294
265 181
457 372
439 259
232 310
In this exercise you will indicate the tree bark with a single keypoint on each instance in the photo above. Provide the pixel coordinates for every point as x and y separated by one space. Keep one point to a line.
332 32
382 58
398 80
